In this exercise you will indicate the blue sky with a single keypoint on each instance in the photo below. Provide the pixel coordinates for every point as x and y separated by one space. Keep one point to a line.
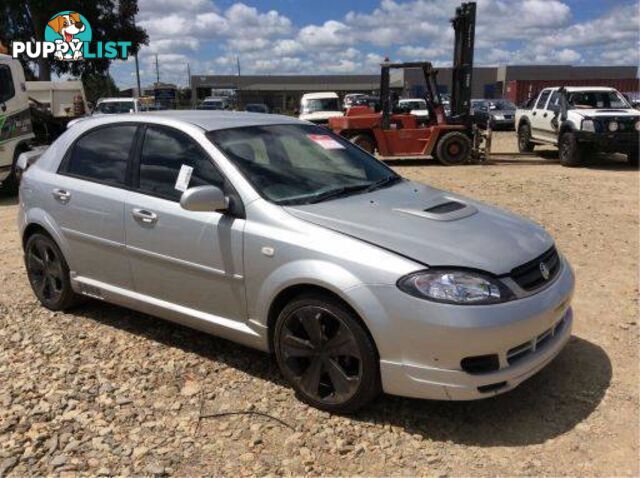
350 37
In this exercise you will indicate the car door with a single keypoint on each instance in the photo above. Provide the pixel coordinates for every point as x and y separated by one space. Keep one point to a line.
539 122
86 200
185 259
549 122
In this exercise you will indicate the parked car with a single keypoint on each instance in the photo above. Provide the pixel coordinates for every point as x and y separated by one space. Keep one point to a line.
213 103
319 107
112 106
372 102
580 121
256 108
283 236
500 113
348 100
415 106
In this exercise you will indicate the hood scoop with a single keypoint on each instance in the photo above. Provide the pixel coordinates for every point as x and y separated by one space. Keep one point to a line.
442 208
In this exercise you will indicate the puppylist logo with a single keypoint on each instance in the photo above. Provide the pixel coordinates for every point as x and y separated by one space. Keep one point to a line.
67 37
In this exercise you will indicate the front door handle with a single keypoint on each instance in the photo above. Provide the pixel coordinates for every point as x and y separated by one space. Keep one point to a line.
144 216
533 114
61 195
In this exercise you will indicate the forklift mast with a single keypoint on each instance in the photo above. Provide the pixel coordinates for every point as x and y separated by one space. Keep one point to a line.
464 25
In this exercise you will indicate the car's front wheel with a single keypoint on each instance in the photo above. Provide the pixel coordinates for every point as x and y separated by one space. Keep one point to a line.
524 139
326 354
48 273
571 154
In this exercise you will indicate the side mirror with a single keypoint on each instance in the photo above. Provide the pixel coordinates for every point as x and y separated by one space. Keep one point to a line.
204 199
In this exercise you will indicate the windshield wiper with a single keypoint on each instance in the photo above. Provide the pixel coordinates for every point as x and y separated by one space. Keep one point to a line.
384 182
337 192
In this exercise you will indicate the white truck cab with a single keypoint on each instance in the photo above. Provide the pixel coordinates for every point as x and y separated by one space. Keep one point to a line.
16 130
319 107
579 121
415 106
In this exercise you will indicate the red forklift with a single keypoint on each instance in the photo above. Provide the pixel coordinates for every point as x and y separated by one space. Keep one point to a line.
452 139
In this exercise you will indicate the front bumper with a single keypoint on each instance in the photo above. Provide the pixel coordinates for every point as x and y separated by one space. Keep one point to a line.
422 350
618 142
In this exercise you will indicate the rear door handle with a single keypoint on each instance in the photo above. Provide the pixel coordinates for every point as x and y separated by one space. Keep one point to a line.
144 216
544 115
61 195
533 114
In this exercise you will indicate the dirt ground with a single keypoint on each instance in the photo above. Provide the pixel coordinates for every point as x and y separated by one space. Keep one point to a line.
104 390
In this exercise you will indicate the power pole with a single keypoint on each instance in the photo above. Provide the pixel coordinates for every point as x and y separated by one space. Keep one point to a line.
138 76
157 71
189 79
238 100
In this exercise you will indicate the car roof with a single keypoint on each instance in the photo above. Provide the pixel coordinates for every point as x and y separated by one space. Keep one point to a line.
326 94
208 120
583 88
412 99
113 100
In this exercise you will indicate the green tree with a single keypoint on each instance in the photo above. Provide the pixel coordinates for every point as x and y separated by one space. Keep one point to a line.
98 86
111 20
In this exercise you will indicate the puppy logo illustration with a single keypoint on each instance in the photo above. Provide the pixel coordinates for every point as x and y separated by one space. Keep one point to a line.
69 31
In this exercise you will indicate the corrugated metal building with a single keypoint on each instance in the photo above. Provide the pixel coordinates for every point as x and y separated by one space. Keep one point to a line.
282 92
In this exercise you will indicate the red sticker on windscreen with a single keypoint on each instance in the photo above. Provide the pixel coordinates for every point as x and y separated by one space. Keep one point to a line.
326 141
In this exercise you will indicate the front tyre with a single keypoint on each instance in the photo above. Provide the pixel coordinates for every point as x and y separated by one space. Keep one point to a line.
326 355
48 273
633 157
453 148
524 139
571 154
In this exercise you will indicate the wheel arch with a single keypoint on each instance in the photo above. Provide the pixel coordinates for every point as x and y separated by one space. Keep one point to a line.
524 121
289 293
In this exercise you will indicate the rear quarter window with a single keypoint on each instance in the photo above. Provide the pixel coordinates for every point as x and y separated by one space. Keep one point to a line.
102 155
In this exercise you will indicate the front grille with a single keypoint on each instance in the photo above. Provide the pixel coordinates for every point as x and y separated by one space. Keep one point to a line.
529 276
521 351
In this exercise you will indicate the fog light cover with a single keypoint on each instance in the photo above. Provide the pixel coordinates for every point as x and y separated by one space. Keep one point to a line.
613 126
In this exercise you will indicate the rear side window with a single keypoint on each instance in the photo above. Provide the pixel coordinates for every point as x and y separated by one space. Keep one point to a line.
164 153
102 155
543 99
7 90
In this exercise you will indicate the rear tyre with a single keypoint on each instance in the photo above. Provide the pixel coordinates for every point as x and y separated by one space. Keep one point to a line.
326 355
453 148
524 139
571 154
365 141
48 273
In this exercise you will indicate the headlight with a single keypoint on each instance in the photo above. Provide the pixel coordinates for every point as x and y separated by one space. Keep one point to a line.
613 126
498 117
638 125
455 287
588 125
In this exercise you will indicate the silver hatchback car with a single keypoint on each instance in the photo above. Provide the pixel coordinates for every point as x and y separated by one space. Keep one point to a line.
280 235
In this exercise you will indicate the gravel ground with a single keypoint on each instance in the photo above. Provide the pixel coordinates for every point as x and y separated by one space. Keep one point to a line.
104 390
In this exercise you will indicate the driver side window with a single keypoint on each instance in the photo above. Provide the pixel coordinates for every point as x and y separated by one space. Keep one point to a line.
7 90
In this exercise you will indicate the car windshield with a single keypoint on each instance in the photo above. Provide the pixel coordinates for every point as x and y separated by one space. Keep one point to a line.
596 99
320 104
301 164
256 108
503 105
414 105
115 107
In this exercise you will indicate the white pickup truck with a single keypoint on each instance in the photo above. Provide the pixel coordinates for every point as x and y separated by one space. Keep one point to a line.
579 121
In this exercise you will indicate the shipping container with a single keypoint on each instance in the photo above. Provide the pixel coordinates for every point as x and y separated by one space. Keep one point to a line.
518 91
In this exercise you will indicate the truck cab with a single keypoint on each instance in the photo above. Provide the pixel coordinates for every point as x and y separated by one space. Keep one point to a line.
16 130
319 107
580 121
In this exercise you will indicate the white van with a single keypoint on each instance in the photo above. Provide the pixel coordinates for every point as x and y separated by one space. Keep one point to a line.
319 107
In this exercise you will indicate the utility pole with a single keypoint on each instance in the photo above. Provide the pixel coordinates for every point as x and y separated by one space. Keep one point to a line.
138 75
189 80
157 71
238 100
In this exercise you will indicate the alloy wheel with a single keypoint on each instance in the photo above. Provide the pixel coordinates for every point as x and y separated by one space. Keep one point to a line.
45 270
321 354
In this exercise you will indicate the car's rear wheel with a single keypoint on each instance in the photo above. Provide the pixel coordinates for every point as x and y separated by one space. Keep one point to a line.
524 139
571 154
326 355
453 148
365 141
48 273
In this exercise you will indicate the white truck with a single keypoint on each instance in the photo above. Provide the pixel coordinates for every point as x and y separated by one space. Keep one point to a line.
579 121
22 103
319 107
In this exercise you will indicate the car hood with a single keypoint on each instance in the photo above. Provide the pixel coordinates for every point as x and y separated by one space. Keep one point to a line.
432 227
420 113
320 115
607 112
